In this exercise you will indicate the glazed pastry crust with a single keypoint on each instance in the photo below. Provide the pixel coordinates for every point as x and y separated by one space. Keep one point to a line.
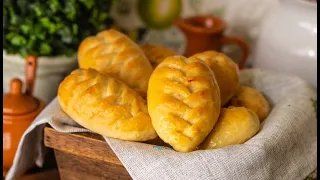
105 105
156 54
234 126
225 71
253 99
111 52
183 102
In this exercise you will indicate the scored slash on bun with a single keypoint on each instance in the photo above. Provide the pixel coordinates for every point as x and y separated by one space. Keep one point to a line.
105 105
183 102
226 73
111 52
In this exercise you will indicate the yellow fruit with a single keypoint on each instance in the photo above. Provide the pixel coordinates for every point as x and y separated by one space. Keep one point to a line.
159 14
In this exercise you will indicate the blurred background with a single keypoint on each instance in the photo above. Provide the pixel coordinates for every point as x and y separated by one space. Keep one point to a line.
53 29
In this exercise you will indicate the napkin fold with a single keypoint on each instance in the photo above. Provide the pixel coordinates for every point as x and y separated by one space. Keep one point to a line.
285 147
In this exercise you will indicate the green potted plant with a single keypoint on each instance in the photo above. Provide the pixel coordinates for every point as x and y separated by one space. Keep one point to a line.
52 31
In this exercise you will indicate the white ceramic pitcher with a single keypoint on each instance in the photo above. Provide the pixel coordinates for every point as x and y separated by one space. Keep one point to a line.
288 40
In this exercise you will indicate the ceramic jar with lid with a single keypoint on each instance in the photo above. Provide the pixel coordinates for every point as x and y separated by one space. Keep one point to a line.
288 40
19 110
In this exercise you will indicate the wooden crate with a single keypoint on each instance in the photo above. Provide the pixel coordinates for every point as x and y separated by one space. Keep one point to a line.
86 156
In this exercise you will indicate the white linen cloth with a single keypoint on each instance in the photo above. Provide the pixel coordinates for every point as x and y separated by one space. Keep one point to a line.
284 149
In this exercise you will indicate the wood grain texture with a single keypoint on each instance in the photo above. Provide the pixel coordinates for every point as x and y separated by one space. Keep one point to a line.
70 142
73 167
86 155
82 144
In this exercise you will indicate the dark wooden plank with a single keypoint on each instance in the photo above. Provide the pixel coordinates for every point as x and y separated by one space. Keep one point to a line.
52 174
86 155
85 144
74 167
82 144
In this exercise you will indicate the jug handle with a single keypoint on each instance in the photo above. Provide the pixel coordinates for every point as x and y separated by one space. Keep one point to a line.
30 73
243 46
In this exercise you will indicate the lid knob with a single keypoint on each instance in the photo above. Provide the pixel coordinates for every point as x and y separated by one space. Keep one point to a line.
15 86
16 102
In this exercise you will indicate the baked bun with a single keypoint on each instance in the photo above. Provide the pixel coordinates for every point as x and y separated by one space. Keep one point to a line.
183 101
156 54
234 126
225 71
111 52
253 99
105 105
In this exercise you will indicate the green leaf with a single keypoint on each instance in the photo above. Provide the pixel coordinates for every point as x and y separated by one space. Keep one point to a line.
48 24
45 48
23 52
88 3
33 37
10 35
40 32
103 16
70 10
57 19
38 9
13 18
12 29
25 28
65 32
54 5
45 21
75 29
18 40
95 13
22 4
31 43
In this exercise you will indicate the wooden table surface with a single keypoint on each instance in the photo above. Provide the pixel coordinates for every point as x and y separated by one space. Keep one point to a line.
52 174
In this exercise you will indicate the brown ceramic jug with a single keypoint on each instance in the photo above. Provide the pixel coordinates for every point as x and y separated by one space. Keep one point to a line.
19 110
207 33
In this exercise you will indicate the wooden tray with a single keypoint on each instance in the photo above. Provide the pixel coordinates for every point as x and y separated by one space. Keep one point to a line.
86 156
